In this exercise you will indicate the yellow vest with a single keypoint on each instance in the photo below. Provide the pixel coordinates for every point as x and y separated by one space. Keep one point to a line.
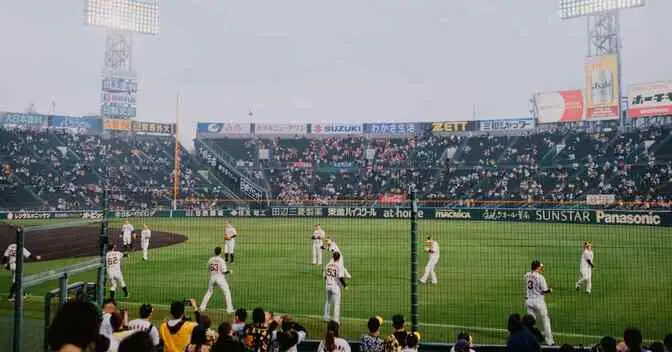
178 341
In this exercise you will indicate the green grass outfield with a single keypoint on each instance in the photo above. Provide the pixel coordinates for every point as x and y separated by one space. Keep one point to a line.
480 274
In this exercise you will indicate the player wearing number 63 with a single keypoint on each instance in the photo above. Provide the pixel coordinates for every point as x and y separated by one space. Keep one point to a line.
217 269
334 277
537 288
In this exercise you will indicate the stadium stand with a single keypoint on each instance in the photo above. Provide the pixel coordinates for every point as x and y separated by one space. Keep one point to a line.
54 170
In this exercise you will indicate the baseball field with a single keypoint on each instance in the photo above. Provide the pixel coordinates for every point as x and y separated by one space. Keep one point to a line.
480 274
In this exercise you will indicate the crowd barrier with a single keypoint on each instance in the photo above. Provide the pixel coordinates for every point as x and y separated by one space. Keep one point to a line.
573 216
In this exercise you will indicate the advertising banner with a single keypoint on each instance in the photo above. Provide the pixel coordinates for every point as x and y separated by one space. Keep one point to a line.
93 124
452 126
117 124
337 128
569 216
392 128
561 106
650 99
602 87
118 95
19 119
525 123
389 198
152 127
280 128
600 199
223 128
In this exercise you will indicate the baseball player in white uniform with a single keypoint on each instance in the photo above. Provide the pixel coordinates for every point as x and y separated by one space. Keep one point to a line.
332 247
217 269
432 248
145 235
126 236
318 236
230 235
586 267
113 261
536 306
9 257
334 277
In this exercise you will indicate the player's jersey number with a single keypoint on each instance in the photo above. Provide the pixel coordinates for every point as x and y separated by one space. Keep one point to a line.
112 260
530 284
331 272
214 267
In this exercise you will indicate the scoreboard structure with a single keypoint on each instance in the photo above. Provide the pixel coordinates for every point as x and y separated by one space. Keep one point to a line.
604 88
122 19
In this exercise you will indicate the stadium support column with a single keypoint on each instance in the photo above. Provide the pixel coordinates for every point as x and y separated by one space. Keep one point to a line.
104 240
414 261
17 342
177 156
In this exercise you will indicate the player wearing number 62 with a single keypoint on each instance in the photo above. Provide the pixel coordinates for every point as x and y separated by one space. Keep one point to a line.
537 288
217 269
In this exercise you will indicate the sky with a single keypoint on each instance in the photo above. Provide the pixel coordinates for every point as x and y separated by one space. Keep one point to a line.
320 61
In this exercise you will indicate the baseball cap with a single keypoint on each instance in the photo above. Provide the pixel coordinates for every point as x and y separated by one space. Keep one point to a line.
537 264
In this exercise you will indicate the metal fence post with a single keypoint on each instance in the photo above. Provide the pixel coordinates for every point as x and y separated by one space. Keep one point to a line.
47 319
100 289
63 289
414 262
18 293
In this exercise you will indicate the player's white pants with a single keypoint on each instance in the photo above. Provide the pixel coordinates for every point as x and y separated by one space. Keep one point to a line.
429 270
115 277
221 282
12 270
126 238
317 254
145 246
333 299
229 246
586 278
537 309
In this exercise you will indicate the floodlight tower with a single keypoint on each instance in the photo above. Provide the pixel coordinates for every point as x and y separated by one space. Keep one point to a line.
603 29
122 18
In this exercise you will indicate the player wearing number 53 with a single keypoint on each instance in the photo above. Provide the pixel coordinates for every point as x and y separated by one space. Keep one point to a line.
537 288
217 269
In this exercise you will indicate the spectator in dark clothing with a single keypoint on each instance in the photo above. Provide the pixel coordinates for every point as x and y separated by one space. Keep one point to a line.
372 341
566 348
520 338
633 339
657 347
528 322
607 344
226 342
399 330
668 342
140 341
76 328
256 336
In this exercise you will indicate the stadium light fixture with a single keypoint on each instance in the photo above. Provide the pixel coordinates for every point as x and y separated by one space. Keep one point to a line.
138 16
580 8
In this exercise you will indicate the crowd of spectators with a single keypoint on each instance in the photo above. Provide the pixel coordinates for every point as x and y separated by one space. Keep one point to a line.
57 170
557 167
79 326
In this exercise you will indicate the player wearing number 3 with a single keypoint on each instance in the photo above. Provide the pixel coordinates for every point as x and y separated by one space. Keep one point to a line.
217 269
536 306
